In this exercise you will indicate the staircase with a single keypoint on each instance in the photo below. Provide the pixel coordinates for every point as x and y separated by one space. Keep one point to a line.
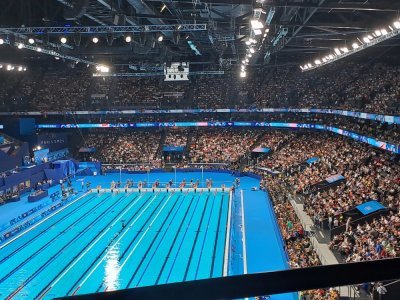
160 145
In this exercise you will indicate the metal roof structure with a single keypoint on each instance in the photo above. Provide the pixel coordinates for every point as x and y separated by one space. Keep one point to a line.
291 31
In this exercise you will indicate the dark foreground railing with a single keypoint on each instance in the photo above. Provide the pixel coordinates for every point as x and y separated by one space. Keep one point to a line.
262 283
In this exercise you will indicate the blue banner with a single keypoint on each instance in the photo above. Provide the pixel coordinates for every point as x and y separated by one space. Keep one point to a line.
334 178
370 207
173 148
1 139
353 114
261 150
312 160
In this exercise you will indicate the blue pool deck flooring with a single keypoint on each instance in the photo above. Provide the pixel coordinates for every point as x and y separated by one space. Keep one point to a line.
263 242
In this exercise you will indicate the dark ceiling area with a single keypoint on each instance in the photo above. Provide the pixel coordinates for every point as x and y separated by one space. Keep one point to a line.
293 31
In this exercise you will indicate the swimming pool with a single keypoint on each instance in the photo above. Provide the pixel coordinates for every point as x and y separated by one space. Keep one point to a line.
106 241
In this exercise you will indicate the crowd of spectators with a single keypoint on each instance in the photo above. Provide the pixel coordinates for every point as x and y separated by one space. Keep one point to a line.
345 85
377 239
176 138
125 147
221 145
301 253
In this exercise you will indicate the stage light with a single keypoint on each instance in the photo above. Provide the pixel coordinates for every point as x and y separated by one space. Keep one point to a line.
345 49
128 39
330 56
1 66
9 67
63 40
257 31
323 59
31 41
1 41
248 42
378 32
103 69
317 62
243 74
309 65
95 40
255 24
366 39
396 24
243 67
56 57
337 51
39 49
159 37
249 55
247 60
355 46
24 69
19 69
370 37
252 50
384 31
20 46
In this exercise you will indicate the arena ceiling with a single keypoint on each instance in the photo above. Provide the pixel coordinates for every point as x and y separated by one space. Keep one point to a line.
298 29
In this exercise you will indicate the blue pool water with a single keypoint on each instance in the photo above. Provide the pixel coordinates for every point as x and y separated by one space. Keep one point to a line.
114 241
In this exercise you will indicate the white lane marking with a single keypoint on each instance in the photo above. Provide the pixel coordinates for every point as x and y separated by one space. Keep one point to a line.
228 237
94 243
119 238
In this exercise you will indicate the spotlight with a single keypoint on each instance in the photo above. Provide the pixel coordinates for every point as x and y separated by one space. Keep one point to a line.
19 69
378 32
256 24
1 66
103 69
24 69
159 37
247 60
95 40
317 62
355 46
128 39
396 24
330 56
309 65
39 49
248 43
63 40
31 41
252 50
20 46
1 41
243 74
9 67
337 51
366 39
56 57
384 31
345 49
249 55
